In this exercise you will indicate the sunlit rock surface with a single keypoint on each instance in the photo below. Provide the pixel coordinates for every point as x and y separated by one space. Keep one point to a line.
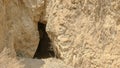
85 33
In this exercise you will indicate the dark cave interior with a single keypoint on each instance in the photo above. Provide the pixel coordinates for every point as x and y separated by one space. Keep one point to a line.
44 49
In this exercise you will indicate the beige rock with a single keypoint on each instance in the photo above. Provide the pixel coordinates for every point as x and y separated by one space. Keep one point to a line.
6 61
18 28
85 33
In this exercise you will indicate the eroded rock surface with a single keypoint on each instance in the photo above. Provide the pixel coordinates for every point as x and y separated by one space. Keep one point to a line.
86 33
18 26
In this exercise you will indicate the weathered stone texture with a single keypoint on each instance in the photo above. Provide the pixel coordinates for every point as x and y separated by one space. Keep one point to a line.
85 33
18 28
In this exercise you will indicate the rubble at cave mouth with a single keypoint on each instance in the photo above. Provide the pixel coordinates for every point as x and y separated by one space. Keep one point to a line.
44 49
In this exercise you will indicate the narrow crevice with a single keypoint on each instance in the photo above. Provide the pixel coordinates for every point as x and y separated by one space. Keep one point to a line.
44 49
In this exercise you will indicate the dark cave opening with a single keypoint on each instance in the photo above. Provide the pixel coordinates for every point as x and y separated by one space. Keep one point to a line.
44 49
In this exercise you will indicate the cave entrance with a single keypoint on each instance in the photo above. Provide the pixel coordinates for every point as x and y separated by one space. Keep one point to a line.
44 49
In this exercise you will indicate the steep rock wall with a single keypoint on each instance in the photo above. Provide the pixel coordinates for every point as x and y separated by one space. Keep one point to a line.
85 33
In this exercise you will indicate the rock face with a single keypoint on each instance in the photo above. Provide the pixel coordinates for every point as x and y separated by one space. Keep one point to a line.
18 26
7 62
85 33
